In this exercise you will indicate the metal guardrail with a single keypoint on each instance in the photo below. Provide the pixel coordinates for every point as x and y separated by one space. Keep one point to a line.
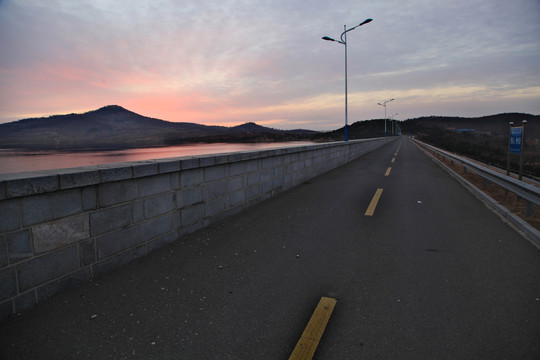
526 191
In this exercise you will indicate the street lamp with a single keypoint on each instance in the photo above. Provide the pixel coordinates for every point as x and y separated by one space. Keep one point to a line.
393 121
384 104
344 42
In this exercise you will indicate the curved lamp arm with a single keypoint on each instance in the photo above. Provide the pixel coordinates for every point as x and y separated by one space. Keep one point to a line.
354 27
342 41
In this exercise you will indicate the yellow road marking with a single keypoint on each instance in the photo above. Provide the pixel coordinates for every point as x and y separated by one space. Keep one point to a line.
373 204
388 171
395 154
393 160
306 346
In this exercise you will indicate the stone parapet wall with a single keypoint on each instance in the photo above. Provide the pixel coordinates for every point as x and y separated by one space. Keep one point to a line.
59 229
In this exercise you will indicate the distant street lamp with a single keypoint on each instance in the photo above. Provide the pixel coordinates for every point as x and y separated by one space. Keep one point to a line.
393 121
344 42
384 104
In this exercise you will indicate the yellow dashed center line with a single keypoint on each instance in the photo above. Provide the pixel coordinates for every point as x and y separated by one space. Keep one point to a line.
306 346
393 160
373 204
388 171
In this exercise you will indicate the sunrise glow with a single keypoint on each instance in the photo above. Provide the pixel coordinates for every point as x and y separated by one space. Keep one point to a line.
222 63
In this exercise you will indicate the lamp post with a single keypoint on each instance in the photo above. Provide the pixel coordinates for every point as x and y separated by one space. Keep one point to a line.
509 147
521 151
384 104
344 42
393 121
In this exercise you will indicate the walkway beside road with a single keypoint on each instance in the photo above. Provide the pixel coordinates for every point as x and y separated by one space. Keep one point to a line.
420 268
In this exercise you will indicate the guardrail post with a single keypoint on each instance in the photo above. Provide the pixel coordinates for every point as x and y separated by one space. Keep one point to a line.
529 209
464 170
485 183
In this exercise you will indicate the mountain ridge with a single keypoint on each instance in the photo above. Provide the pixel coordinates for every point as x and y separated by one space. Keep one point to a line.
113 126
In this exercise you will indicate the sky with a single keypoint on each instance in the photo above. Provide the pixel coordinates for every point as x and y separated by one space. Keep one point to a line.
227 62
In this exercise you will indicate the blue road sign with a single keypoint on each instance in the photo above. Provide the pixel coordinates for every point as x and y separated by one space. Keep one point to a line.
516 135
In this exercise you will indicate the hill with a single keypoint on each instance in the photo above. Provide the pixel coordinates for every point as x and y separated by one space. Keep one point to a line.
492 125
358 130
483 138
496 125
115 127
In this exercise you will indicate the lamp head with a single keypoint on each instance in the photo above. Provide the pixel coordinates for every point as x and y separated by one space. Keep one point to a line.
328 38
365 21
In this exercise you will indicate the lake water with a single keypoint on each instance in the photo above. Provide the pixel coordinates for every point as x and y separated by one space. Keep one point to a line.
12 161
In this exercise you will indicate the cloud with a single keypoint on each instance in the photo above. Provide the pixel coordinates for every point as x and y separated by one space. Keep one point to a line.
236 60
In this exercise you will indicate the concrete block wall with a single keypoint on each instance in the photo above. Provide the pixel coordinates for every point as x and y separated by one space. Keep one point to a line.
60 229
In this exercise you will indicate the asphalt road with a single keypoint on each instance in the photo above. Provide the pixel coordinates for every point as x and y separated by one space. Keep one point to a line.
432 274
